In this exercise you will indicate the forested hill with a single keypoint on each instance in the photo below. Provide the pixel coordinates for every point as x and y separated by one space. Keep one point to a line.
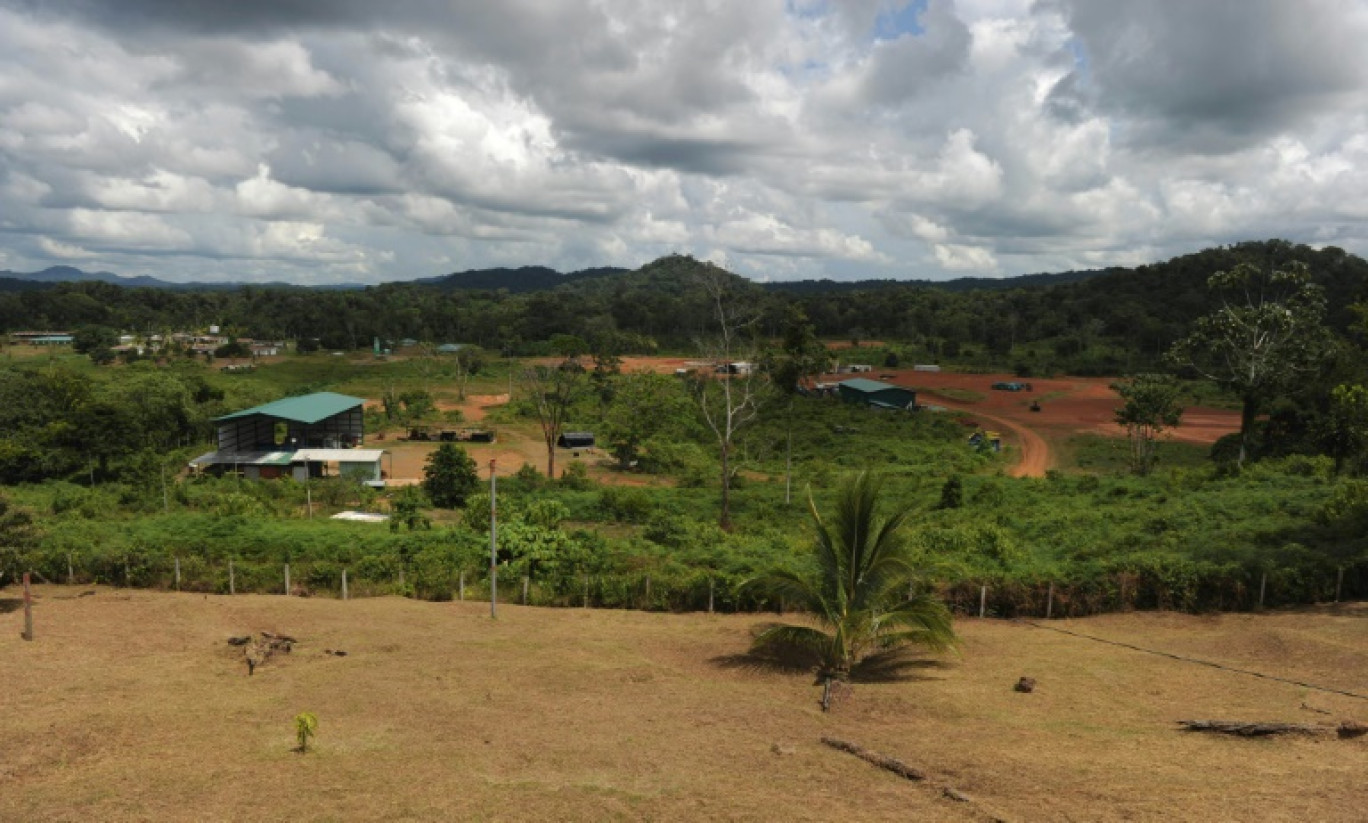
1109 321
515 281
958 284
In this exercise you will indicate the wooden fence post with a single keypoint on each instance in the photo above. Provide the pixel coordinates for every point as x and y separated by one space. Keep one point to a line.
648 592
71 571
232 578
344 585
460 587
177 574
710 595
287 579
586 590
526 581
28 610
1049 602
1263 587
983 601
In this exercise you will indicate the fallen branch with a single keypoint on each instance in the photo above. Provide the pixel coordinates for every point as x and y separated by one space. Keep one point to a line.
905 771
1245 729
892 764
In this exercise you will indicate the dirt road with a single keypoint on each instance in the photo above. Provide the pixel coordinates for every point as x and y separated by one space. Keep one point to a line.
1067 407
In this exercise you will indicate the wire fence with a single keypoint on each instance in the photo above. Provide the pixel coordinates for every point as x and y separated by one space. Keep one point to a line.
699 589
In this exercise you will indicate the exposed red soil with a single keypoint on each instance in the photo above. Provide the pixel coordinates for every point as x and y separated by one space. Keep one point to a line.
475 407
1068 406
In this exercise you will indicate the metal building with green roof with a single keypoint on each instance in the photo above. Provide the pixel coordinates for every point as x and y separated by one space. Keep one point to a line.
876 393
300 436
321 420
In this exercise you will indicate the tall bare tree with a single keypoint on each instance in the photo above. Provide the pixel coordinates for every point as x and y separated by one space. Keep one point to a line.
730 398
553 390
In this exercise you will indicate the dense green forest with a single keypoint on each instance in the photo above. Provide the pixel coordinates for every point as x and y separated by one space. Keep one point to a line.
92 453
1114 321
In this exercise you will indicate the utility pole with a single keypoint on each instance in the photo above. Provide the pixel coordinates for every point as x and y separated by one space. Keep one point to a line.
493 544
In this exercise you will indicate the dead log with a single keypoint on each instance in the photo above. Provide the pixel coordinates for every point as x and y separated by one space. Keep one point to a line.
1241 728
1349 729
891 764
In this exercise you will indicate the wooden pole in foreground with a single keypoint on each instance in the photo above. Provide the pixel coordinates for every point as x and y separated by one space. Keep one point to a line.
232 579
1049 602
344 584
71 572
27 634
586 590
493 535
983 601
177 574
287 579
526 581
1263 587
461 585
710 595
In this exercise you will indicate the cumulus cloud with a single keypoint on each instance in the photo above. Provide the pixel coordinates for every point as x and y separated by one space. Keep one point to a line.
352 140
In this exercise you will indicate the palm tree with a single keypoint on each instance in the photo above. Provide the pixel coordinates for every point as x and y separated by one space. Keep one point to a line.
861 593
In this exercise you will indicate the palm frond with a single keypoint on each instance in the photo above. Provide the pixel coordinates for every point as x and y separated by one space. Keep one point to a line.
790 636
864 571
794 588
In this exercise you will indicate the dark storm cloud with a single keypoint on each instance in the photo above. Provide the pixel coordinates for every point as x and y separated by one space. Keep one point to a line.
561 55
1216 75
711 157
911 63
354 140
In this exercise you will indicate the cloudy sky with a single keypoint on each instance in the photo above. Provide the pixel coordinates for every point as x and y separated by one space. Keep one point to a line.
361 141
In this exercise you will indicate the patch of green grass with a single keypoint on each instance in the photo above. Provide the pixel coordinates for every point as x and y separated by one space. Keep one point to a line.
962 395
1094 454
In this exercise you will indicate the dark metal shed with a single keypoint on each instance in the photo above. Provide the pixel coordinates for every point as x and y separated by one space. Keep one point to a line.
877 393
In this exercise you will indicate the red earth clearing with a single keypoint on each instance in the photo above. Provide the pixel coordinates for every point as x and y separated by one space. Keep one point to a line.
1068 406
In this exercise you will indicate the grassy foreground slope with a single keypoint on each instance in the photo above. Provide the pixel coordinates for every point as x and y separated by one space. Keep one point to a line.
130 706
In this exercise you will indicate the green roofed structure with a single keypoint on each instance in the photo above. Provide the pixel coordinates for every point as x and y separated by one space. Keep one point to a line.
876 393
297 436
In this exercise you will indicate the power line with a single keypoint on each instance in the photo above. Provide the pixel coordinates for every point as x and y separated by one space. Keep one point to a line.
1198 661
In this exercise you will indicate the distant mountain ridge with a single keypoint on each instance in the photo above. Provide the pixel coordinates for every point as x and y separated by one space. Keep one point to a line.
521 279
524 279
540 278
958 284
70 274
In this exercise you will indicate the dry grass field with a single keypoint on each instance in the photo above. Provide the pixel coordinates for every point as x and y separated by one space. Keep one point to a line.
130 705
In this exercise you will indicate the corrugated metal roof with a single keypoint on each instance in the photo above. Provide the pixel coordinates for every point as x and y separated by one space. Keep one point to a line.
277 458
338 455
285 458
862 384
309 408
